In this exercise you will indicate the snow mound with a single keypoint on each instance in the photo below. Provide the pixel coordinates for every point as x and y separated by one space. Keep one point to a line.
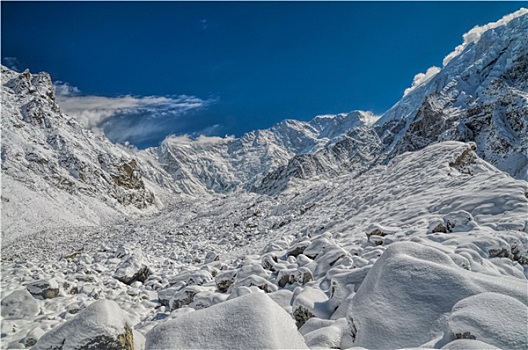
19 304
102 325
493 318
418 286
468 344
252 321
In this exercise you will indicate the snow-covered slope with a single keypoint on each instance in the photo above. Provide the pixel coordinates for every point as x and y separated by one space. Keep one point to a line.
55 172
434 212
480 95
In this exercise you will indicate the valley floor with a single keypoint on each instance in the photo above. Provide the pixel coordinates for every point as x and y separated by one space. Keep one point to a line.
428 251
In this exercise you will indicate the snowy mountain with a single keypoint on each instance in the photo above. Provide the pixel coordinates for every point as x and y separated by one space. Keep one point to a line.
480 95
212 164
56 172
348 231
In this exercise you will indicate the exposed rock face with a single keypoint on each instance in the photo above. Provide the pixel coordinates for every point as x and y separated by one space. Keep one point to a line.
49 158
102 325
352 152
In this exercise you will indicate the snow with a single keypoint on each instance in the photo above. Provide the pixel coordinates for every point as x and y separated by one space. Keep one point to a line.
252 321
103 318
474 34
419 286
363 232
493 318
19 305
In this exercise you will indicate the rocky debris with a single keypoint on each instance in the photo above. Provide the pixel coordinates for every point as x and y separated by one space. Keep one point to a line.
255 281
298 248
192 277
102 325
291 276
225 279
20 304
44 289
252 321
184 297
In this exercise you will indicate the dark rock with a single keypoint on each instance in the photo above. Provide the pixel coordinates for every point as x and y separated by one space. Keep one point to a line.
44 289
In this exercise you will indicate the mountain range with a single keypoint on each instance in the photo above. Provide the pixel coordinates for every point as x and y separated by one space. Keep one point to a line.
311 205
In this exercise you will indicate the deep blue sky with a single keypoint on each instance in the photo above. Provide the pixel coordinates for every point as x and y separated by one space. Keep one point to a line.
256 63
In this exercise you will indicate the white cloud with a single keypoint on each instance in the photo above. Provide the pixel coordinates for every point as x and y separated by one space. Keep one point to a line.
422 78
93 111
474 34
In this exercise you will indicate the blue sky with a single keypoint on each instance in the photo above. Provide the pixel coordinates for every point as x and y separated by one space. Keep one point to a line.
140 71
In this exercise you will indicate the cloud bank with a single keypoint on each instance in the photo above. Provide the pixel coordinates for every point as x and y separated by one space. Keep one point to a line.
128 118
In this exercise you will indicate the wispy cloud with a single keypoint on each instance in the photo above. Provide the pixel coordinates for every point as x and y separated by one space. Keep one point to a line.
12 63
127 117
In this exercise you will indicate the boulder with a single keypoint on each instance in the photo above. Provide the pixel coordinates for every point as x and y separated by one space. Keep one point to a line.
311 302
493 318
102 325
252 321
19 305
131 269
44 289
417 285
33 336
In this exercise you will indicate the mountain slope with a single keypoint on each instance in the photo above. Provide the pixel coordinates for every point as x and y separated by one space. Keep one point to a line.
58 173
480 95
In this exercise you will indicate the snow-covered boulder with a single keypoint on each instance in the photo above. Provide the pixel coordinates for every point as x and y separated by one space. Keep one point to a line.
33 336
495 319
468 344
225 279
310 302
132 268
252 321
19 305
102 325
44 289
417 285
